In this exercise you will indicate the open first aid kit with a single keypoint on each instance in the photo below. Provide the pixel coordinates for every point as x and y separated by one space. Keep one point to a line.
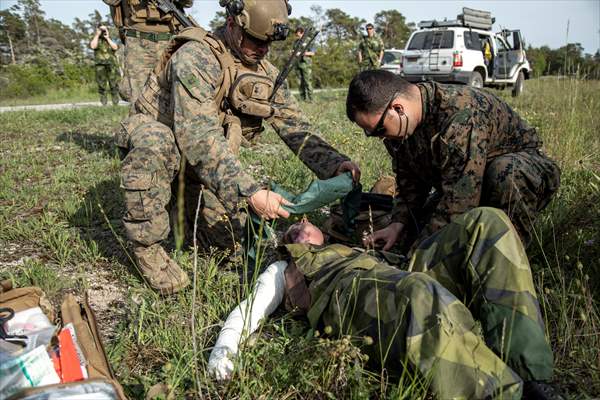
42 359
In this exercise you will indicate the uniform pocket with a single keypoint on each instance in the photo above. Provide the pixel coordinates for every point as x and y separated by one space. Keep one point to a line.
138 198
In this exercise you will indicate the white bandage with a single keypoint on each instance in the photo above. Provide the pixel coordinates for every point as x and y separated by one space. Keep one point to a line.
245 318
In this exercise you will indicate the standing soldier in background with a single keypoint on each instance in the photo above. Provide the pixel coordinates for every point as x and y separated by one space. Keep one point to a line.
107 67
145 30
370 50
304 69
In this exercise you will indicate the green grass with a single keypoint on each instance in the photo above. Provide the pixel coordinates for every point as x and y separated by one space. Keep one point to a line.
79 94
60 209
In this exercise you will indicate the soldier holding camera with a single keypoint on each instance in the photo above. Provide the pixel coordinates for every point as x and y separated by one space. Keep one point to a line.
107 67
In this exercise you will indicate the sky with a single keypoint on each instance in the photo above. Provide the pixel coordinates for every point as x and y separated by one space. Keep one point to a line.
541 22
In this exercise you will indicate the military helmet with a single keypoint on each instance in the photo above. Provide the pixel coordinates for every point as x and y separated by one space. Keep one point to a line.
262 19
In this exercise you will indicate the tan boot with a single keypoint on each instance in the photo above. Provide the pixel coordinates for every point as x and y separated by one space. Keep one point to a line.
162 273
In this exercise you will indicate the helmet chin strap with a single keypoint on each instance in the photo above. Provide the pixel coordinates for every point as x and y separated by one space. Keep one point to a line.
233 39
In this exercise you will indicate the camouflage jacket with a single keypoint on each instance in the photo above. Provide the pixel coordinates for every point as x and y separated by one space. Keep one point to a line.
104 54
462 129
329 272
195 76
370 48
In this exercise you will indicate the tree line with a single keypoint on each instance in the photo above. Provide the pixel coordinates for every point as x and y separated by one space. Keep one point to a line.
37 52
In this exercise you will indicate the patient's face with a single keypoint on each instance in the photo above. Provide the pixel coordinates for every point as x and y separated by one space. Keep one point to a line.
309 234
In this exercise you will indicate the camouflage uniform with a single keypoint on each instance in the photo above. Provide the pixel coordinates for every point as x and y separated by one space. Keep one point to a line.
370 48
146 32
424 319
304 70
475 151
191 135
107 71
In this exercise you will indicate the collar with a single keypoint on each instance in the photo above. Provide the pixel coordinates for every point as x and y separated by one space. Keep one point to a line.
427 90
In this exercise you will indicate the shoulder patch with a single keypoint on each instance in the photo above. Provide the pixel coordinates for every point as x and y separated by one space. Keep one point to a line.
190 81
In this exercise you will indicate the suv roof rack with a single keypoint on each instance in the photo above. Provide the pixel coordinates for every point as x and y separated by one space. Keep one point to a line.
469 18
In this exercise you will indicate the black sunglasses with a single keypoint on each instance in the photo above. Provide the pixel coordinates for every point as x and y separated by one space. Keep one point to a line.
379 128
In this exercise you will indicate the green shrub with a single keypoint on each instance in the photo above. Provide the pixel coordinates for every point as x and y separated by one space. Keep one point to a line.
17 81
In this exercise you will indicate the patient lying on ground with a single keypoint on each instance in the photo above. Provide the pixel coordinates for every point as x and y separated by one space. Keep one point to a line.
478 260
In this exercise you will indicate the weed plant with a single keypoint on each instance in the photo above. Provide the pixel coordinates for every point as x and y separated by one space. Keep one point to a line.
60 210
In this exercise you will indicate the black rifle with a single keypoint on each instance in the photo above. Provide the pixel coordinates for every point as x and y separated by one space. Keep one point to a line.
167 6
298 51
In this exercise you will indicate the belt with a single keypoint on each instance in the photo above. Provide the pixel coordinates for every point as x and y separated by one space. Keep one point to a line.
153 36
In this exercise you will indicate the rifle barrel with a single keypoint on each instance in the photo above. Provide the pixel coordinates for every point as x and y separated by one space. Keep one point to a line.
299 47
167 6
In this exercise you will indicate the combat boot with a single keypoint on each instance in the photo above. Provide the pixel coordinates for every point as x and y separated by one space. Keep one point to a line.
103 99
162 273
540 390
115 98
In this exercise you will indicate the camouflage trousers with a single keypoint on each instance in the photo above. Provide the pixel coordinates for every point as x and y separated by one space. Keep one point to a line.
520 184
305 76
108 75
160 186
475 268
140 58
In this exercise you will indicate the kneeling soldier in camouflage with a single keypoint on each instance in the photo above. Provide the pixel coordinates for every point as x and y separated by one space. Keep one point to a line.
466 143
421 313
208 96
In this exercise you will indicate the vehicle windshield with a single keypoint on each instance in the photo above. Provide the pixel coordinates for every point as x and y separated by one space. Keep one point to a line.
392 57
432 40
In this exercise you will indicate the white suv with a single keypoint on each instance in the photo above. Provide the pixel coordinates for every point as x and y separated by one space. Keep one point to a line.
453 51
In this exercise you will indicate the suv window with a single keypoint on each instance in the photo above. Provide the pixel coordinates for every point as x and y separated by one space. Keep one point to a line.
432 40
472 41
392 57
514 40
500 44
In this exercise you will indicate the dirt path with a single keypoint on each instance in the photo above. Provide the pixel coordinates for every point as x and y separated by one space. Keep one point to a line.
63 106
69 106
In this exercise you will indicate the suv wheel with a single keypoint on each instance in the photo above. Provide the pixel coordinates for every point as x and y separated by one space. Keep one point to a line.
476 80
518 87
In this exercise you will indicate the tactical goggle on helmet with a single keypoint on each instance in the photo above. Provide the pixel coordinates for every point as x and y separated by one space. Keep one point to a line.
263 19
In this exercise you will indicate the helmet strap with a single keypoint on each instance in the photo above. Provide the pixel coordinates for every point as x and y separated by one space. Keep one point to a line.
233 39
